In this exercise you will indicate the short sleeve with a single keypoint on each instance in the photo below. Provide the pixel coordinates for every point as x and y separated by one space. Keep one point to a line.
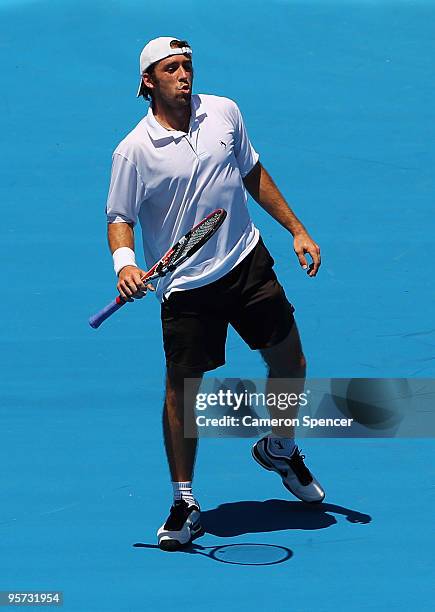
126 193
245 153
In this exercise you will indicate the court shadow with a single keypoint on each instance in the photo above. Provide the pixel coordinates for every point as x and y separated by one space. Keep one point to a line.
242 553
238 518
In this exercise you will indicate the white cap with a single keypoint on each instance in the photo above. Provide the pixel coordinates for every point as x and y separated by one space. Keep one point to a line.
156 50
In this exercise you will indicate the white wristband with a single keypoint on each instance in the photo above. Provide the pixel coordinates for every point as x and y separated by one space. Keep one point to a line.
124 256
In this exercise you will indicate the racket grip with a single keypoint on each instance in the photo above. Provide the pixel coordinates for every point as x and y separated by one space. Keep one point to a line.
96 319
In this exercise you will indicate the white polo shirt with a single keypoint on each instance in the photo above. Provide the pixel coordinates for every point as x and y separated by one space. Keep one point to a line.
170 180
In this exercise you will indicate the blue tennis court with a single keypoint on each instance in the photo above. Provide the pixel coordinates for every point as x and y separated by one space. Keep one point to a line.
337 99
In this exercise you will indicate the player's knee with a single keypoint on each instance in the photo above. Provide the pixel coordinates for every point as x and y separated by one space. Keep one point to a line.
294 366
298 365
181 388
176 377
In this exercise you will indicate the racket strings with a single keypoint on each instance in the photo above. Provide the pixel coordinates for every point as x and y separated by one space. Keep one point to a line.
178 252
195 238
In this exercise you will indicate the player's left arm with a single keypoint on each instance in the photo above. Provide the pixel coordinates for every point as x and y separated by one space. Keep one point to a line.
262 188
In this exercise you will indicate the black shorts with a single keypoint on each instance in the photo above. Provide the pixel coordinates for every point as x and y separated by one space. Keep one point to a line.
250 298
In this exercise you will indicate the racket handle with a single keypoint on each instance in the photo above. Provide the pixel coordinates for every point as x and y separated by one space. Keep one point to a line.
96 319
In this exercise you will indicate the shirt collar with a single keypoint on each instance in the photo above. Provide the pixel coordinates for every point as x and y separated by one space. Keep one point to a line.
158 133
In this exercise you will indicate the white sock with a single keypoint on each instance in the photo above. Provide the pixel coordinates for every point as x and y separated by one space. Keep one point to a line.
183 490
283 447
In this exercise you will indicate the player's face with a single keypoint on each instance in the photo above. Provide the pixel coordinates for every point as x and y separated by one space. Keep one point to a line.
173 78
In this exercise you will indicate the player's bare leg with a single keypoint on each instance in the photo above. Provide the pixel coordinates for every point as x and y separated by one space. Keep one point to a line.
285 360
180 451
278 452
183 523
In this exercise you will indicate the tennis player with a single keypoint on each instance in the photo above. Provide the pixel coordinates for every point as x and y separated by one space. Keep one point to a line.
188 156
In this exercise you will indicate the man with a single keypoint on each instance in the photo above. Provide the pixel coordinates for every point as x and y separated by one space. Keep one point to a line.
190 155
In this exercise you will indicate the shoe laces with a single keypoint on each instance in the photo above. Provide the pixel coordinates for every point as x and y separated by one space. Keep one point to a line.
299 467
178 514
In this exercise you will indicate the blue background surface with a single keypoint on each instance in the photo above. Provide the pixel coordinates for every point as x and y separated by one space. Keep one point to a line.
338 99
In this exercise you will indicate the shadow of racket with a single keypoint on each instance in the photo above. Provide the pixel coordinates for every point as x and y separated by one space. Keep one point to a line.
236 554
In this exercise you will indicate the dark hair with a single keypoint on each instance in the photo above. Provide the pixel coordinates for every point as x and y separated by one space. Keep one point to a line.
174 44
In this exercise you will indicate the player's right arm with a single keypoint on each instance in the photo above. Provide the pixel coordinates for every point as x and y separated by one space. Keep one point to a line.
129 277
126 193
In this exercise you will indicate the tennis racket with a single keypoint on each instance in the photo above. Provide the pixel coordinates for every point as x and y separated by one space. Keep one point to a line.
182 250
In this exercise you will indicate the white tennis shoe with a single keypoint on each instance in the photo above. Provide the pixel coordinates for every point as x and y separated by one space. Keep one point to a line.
181 527
296 477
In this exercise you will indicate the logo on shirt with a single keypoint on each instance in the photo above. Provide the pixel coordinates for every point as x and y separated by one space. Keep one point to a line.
224 144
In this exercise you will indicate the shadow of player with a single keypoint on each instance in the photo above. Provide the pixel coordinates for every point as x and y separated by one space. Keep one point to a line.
237 518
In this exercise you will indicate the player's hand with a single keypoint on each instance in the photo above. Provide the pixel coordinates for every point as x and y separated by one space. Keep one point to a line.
130 286
303 244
